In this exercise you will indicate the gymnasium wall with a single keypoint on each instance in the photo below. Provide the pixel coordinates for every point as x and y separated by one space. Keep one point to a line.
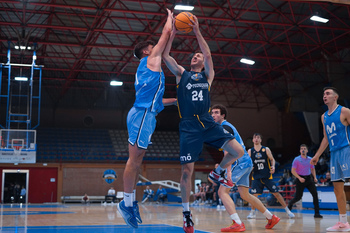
42 182
76 179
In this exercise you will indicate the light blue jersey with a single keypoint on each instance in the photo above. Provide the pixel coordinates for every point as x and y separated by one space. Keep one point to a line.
337 133
245 160
242 167
149 87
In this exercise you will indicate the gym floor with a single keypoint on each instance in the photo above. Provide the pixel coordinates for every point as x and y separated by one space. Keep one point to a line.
97 218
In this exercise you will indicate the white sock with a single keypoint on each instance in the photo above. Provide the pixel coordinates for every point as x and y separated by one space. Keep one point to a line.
186 206
267 214
343 218
219 169
252 211
128 199
287 210
236 218
134 195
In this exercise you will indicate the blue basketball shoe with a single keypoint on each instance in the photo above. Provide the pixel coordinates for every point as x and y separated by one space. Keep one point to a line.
128 214
137 212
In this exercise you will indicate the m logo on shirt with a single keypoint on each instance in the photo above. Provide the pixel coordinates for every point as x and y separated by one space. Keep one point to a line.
331 129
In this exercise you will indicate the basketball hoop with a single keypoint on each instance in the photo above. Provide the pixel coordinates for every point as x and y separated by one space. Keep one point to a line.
17 150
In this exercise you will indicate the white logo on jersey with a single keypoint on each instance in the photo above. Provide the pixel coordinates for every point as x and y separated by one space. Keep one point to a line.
189 86
330 129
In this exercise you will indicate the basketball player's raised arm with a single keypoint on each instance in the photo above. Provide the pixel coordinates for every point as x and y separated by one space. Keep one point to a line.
323 145
155 59
203 45
170 62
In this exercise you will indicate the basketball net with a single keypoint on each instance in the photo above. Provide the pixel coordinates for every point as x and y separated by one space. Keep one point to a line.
17 150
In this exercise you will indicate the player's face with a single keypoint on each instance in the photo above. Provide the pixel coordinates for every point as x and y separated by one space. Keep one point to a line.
257 140
216 114
148 50
329 96
303 150
197 59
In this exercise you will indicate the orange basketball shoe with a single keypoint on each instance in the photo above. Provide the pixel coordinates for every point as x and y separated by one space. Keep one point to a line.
272 222
235 227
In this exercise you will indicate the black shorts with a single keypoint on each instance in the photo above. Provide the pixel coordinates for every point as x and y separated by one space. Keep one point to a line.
259 184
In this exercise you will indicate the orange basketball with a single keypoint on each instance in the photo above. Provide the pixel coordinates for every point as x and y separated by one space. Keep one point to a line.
182 22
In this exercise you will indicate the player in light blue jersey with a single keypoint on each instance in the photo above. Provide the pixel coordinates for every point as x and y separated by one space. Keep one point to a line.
141 120
196 125
239 174
336 134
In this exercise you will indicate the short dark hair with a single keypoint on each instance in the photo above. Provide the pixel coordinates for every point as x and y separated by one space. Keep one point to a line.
257 134
304 145
141 46
223 109
332 88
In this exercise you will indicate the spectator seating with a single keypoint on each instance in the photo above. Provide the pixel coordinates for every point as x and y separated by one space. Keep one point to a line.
104 146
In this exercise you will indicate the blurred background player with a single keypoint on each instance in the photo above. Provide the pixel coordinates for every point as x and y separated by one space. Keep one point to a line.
147 194
264 167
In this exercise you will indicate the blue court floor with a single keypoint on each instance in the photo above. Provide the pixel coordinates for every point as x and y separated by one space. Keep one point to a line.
96 229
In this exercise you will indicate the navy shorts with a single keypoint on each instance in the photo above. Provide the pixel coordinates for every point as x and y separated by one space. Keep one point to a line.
259 184
195 131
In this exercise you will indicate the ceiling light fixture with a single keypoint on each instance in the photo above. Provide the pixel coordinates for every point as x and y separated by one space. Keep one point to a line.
116 83
247 61
319 19
21 78
182 7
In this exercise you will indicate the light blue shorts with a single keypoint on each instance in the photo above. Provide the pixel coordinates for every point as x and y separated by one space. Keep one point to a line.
340 164
240 175
141 124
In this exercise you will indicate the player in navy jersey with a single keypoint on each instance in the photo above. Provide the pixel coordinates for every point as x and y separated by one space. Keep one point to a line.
196 124
141 120
264 167
336 134
239 174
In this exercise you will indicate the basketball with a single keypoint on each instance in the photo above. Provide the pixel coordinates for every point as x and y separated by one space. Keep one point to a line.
182 22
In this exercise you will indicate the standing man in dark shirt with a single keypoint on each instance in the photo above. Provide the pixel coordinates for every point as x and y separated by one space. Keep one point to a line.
306 178
264 167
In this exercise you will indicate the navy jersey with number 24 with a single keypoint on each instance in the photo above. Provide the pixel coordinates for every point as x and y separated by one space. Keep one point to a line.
193 94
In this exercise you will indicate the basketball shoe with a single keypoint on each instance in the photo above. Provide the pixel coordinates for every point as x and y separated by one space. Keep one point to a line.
188 223
234 227
127 214
272 222
136 212
342 227
252 215
290 214
220 179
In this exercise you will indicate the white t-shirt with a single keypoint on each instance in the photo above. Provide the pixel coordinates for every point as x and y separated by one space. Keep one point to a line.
111 192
